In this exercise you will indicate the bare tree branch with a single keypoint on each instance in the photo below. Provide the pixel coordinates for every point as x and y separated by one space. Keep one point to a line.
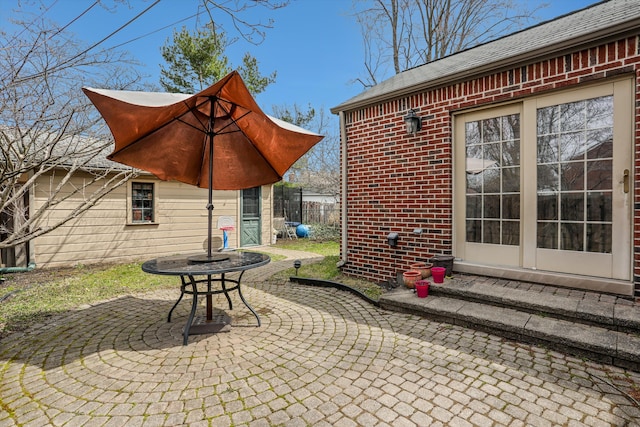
319 168
252 32
409 33
50 132
49 129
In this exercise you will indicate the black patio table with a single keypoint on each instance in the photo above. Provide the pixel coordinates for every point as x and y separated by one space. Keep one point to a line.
214 270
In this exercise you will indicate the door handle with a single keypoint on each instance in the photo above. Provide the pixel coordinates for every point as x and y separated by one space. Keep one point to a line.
625 181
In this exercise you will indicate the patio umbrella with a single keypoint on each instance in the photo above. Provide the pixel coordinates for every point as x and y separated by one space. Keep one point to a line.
218 138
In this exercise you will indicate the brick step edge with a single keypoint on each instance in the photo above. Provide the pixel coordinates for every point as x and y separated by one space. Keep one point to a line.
616 317
599 344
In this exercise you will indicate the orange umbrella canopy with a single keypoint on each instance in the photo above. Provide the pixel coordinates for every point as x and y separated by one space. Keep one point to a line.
170 135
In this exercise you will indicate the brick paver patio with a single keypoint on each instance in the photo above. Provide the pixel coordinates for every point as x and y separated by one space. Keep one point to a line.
321 357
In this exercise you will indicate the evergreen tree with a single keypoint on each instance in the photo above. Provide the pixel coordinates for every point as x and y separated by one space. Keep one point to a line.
197 60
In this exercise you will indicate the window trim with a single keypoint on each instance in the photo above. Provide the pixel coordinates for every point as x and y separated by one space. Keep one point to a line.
130 220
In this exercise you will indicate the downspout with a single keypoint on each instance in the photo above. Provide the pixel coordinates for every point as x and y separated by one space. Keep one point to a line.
31 265
343 192
7 270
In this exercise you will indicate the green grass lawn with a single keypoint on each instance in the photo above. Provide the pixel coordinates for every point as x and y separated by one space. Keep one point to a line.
326 269
326 248
35 301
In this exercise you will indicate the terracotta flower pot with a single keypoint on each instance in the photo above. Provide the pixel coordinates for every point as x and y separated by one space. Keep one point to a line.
410 277
423 267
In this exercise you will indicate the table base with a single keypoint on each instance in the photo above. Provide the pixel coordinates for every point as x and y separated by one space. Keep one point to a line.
190 287
219 323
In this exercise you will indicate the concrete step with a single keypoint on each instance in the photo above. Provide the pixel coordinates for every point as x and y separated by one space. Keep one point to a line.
561 323
615 314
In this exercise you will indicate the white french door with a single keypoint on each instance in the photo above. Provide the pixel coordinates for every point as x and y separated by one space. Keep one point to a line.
545 184
488 186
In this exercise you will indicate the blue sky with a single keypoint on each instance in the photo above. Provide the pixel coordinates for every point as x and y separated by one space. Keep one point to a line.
314 46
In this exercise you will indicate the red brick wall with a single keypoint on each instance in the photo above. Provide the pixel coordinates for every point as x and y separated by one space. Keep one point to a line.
399 182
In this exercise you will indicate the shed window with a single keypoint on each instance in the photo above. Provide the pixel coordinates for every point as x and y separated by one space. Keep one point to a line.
142 196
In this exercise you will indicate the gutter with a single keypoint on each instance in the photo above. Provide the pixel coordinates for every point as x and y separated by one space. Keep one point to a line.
343 192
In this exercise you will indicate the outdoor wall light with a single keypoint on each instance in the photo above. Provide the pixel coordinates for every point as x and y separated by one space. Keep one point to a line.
392 238
413 122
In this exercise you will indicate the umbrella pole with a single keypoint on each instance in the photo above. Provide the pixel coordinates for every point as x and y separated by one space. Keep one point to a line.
210 205
210 213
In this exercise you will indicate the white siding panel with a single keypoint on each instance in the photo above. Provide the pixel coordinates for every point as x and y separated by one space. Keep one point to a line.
103 235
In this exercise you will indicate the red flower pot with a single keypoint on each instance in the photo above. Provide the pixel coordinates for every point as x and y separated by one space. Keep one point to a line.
438 274
422 288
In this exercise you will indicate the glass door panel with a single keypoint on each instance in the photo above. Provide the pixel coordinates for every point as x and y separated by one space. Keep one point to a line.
574 164
491 152
493 180
583 222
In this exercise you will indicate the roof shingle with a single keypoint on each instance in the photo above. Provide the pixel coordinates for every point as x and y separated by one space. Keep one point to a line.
598 21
